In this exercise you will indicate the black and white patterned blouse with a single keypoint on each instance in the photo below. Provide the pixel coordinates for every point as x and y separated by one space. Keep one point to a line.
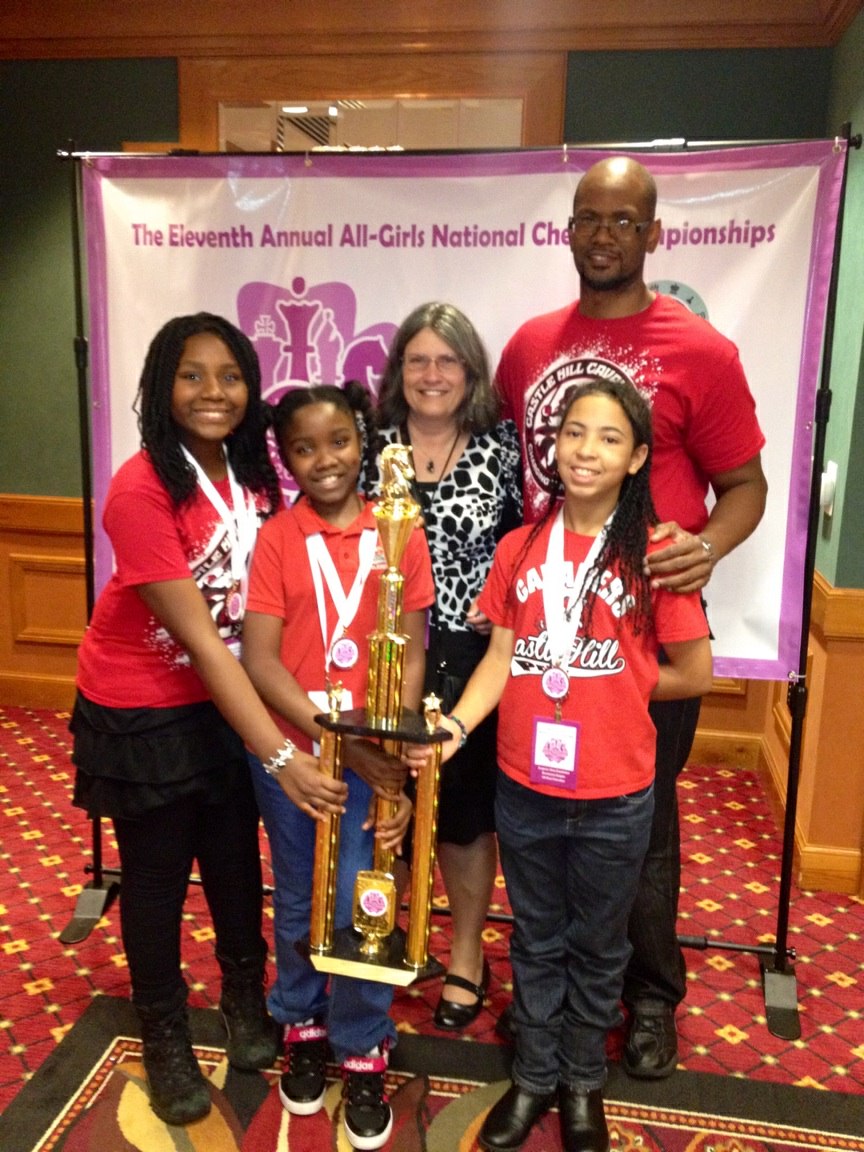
467 513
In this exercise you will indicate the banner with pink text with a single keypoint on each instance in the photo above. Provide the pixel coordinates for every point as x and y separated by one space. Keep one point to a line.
318 258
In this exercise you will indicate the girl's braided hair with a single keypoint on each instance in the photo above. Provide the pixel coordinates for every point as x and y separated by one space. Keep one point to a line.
160 436
352 398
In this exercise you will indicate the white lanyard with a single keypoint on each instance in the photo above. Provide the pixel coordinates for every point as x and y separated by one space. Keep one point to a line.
321 563
563 608
241 525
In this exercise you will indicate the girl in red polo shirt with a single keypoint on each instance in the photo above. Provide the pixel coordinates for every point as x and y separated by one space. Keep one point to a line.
312 605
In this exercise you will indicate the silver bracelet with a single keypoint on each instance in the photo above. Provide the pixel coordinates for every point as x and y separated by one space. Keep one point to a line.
279 759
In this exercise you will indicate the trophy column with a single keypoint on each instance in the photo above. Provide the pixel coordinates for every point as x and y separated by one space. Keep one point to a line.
371 949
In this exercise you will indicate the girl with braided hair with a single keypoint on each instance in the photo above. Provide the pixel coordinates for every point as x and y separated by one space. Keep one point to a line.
313 602
573 661
164 707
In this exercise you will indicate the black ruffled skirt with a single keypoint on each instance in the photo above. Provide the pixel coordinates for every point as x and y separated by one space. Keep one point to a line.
131 760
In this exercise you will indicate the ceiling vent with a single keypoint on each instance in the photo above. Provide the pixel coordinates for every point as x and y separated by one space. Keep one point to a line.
316 128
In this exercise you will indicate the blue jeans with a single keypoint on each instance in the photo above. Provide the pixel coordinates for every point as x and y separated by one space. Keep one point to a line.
356 1012
571 869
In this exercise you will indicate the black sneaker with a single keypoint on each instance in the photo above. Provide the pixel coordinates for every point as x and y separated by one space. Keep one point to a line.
366 1114
304 1079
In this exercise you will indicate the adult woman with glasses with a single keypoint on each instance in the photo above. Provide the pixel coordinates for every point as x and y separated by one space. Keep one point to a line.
437 396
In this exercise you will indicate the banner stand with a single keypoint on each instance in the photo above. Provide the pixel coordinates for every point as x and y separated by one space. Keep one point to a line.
778 976
100 892
776 962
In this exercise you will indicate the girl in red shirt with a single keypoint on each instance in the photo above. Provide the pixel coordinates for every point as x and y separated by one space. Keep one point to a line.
573 661
163 706
312 605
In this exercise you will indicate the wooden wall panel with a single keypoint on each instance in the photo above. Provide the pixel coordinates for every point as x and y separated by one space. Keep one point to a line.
829 829
118 28
538 79
43 604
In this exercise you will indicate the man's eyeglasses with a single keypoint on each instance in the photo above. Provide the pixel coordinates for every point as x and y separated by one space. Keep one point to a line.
447 364
618 227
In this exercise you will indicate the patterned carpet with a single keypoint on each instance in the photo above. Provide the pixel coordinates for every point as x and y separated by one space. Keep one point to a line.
731 848
90 1095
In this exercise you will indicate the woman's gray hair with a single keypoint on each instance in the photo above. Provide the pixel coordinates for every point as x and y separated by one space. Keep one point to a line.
480 410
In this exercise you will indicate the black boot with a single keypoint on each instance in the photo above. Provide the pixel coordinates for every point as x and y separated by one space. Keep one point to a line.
510 1121
583 1122
254 1038
179 1093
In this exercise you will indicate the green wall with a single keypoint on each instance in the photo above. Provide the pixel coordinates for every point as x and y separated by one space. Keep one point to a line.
46 106
698 95
840 548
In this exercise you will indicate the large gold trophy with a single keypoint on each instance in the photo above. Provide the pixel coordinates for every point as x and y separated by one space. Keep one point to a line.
371 949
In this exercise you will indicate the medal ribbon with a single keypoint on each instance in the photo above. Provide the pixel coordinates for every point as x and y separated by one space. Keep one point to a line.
321 563
563 608
241 525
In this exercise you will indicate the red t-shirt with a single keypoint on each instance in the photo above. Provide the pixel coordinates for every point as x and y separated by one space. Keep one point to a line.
127 658
611 675
281 585
704 416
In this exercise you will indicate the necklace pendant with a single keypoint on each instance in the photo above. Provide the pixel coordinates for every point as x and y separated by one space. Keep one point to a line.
555 683
234 603
430 466
344 653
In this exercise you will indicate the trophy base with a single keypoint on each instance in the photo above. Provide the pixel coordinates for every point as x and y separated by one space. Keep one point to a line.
387 966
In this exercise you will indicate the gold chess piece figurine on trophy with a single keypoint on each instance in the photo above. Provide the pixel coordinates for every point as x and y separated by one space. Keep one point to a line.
370 949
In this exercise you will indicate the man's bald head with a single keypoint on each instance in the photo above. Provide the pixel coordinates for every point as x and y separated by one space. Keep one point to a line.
622 174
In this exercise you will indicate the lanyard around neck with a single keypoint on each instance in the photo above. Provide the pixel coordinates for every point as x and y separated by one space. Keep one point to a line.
562 606
240 523
324 571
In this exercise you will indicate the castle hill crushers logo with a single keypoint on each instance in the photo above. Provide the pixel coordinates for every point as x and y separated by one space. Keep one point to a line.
546 406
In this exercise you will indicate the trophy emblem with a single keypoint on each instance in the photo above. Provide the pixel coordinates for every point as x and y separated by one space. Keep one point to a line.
370 949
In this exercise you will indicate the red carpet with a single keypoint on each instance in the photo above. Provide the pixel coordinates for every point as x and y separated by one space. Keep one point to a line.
731 853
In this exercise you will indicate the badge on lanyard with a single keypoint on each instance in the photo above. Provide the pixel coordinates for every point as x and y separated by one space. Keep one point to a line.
555 753
339 648
241 526
562 607
234 603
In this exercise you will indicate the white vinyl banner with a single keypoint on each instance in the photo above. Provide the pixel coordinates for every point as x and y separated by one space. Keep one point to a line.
319 258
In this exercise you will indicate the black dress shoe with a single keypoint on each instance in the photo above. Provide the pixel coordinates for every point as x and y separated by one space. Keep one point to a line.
651 1051
451 1015
583 1121
506 1127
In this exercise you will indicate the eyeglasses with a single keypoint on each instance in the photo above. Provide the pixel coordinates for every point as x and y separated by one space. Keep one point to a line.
447 364
618 227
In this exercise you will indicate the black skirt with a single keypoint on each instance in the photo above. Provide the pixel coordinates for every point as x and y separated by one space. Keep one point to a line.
466 805
132 760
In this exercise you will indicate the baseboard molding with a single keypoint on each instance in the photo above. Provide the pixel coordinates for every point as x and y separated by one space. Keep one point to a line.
712 746
823 868
22 691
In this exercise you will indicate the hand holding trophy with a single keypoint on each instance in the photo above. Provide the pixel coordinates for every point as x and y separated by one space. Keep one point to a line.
370 950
